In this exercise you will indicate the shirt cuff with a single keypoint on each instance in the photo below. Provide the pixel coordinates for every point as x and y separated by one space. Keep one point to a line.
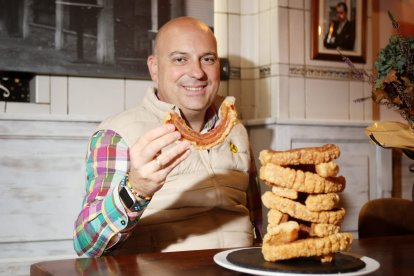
114 212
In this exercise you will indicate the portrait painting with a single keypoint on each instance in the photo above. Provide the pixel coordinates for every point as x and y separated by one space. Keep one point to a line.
338 28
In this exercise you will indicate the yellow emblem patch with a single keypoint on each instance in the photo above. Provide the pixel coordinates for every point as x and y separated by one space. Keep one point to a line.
233 148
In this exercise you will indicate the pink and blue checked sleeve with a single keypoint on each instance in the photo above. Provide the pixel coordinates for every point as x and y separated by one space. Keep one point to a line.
103 216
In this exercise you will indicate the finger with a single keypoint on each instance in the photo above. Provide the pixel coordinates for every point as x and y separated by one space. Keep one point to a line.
161 174
161 160
158 164
171 155
155 180
154 148
154 134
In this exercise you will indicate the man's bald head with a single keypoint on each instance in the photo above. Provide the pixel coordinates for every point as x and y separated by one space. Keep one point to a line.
181 24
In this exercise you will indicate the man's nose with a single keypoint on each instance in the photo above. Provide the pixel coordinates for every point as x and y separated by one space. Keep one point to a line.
196 70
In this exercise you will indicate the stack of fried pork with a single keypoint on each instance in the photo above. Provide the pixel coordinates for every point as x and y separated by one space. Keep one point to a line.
304 216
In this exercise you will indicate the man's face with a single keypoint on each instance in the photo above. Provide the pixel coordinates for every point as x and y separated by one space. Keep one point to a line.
186 68
340 14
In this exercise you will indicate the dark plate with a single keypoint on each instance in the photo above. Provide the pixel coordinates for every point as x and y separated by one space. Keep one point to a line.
252 258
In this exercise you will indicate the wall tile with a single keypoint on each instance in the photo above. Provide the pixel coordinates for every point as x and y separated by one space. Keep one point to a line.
94 96
250 41
221 5
59 95
282 3
327 99
274 35
223 88
368 104
308 34
40 89
249 7
283 38
369 62
135 92
234 89
221 31
274 97
296 37
263 98
2 107
27 108
279 69
356 91
251 73
264 38
280 97
297 101
248 90
296 4
233 6
234 40
264 5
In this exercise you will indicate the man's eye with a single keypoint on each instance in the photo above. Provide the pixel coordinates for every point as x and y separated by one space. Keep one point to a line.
208 60
179 60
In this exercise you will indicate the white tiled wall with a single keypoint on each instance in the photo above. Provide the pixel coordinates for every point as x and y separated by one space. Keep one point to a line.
264 41
91 99
88 96
59 97
327 99
275 37
40 83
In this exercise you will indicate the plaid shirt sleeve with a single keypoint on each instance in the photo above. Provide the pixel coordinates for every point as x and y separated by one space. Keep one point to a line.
103 215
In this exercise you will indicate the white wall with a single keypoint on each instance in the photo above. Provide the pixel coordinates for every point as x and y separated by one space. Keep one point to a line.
268 45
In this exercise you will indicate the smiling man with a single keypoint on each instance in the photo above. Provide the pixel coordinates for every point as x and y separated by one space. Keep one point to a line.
147 190
185 68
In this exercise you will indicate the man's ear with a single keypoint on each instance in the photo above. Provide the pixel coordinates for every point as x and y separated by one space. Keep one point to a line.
152 64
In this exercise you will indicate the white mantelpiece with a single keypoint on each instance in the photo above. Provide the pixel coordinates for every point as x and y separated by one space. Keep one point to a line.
41 189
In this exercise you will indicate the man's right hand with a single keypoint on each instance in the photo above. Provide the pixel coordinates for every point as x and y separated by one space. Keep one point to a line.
150 166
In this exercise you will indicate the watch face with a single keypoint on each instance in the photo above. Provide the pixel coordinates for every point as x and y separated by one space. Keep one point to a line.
126 198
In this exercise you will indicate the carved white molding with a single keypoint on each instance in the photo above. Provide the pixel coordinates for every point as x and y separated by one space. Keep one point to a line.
264 71
235 73
320 72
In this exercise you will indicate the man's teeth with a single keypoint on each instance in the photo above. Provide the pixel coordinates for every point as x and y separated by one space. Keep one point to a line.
194 88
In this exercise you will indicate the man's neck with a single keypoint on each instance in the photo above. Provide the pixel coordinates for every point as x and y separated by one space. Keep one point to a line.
196 121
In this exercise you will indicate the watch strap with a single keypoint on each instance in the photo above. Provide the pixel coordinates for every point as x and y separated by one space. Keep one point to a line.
131 198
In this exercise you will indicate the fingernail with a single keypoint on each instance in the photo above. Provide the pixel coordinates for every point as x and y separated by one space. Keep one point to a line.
170 127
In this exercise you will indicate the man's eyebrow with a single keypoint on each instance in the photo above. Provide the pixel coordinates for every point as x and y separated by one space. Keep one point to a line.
177 53
185 53
211 53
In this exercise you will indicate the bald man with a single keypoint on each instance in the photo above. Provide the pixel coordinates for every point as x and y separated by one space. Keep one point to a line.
147 191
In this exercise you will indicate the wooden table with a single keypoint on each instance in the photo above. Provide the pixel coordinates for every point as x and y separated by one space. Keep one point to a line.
395 254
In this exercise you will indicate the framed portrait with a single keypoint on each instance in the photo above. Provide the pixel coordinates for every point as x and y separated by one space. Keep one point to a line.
338 27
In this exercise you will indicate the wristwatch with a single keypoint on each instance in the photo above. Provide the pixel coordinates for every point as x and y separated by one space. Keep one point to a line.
132 202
